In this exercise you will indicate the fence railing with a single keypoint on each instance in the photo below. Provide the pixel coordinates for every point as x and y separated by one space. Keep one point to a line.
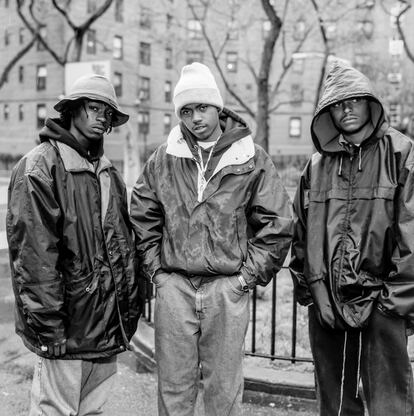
278 327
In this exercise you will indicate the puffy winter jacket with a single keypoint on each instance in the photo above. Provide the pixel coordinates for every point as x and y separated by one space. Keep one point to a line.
354 207
71 252
240 223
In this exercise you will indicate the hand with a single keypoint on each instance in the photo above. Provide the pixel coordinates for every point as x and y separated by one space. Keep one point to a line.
55 349
324 311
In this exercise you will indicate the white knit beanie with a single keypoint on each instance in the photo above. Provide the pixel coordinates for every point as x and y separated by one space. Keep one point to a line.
196 85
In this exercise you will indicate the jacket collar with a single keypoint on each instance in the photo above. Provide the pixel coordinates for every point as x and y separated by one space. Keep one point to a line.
240 152
74 162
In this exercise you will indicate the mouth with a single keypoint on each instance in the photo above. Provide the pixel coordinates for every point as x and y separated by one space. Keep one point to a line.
99 129
199 128
348 119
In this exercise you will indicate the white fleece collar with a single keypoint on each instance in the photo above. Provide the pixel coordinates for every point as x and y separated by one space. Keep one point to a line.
238 153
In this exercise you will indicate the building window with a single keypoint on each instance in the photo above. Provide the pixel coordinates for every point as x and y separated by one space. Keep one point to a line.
233 30
144 89
43 34
295 127
119 10
296 93
41 75
92 6
145 53
21 74
231 61
366 27
118 52
167 91
6 112
330 30
169 20
41 115
395 114
6 37
145 20
143 122
21 112
194 56
118 84
194 29
167 124
266 26
396 47
21 35
299 29
168 58
91 42
298 65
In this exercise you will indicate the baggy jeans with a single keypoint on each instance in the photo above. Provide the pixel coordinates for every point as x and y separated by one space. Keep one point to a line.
200 326
71 387
377 355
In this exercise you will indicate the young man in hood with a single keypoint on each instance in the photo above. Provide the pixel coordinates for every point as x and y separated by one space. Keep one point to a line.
212 220
72 254
353 251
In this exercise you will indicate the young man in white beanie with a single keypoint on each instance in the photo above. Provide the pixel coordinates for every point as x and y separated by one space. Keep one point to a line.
72 254
212 220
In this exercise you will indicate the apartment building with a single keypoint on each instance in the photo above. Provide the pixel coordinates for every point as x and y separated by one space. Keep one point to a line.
142 44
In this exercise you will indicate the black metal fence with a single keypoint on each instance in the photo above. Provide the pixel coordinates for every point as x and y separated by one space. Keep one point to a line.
278 326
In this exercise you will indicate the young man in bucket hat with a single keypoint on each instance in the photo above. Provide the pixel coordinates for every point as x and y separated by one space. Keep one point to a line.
72 254
212 220
353 251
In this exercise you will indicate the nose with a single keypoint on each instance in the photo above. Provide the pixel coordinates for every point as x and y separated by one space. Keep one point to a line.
196 115
346 106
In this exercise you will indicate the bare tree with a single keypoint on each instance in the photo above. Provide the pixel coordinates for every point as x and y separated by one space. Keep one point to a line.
32 13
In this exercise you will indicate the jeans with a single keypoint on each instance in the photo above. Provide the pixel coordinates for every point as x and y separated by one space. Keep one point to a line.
71 387
200 326
376 355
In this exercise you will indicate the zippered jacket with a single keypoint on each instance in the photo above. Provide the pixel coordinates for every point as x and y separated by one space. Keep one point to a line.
71 251
354 212
240 222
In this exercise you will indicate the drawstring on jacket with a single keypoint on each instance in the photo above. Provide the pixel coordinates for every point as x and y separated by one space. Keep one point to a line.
360 159
359 162
340 165
358 375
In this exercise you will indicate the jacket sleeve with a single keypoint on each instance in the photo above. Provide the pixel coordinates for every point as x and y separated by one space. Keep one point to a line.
32 230
298 253
269 220
147 221
398 293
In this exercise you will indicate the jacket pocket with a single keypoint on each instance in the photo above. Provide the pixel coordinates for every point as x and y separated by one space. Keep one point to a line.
241 225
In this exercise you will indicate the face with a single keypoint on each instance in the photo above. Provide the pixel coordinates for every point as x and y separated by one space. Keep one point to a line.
202 120
91 120
352 115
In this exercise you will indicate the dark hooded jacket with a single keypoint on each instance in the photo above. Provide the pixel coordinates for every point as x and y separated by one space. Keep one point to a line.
354 212
71 250
240 223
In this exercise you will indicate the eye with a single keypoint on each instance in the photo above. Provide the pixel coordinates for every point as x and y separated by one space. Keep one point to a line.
185 112
109 113
203 107
94 108
336 105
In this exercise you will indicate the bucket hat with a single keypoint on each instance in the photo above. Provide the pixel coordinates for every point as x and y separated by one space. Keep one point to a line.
94 87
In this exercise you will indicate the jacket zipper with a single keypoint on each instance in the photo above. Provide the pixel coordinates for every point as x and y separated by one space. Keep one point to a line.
346 223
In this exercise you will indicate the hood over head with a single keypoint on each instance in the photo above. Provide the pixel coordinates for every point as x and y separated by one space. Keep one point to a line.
343 82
